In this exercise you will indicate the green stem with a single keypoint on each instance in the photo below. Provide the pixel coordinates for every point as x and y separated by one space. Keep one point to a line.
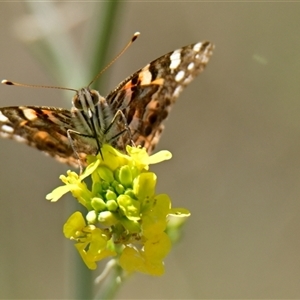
110 280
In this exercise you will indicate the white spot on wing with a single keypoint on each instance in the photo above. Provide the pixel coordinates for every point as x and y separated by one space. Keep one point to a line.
29 114
5 135
175 59
190 66
179 75
7 128
3 118
177 91
145 76
197 47
20 139
188 80
205 59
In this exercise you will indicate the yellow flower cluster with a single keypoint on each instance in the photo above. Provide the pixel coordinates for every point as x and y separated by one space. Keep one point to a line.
125 217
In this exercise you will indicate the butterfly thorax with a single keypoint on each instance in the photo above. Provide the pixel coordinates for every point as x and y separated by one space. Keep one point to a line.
92 117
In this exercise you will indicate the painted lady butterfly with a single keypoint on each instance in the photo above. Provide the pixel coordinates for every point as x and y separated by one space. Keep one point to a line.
133 112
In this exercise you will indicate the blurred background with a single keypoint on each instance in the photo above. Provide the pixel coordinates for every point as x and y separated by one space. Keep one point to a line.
234 134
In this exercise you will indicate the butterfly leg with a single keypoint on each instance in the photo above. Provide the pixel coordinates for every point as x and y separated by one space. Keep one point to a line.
71 132
118 114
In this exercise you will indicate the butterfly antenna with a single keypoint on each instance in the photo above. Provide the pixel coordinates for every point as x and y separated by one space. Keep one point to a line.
134 37
8 82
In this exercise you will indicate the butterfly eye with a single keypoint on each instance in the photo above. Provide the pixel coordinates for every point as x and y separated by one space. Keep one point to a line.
95 96
76 102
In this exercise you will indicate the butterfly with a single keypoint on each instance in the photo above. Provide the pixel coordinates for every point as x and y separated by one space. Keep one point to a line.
133 113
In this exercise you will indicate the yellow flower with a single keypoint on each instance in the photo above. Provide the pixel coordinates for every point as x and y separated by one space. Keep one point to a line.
124 214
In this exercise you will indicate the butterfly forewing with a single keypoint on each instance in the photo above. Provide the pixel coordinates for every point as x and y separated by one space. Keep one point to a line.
147 96
140 104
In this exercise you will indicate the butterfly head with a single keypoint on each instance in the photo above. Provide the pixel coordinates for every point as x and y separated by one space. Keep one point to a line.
86 100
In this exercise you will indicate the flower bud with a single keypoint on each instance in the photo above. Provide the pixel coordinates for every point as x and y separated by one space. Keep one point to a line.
98 204
125 176
107 218
110 195
91 217
112 205
105 173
